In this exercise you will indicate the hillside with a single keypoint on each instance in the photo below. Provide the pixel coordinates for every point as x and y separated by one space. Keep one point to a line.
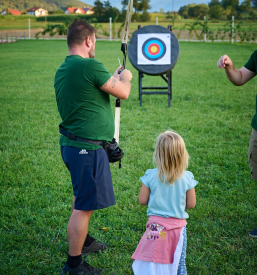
50 5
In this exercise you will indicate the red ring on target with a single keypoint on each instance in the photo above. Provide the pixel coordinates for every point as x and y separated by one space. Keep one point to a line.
154 49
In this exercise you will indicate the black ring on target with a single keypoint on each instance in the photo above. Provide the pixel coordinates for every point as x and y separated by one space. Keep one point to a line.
158 46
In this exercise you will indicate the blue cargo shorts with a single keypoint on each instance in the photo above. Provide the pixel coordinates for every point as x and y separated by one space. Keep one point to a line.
90 176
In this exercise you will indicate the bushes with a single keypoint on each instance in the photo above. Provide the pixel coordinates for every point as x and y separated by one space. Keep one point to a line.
64 17
16 17
144 17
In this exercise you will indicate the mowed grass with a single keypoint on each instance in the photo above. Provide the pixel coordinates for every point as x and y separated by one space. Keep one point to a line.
21 24
212 116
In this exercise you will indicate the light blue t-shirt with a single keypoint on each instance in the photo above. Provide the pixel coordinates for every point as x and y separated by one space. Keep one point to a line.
168 200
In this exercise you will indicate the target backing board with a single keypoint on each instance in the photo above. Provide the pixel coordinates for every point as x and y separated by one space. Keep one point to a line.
153 49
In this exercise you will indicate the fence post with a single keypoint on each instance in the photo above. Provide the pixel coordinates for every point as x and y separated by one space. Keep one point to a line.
29 28
156 20
204 29
7 38
20 35
1 38
11 37
110 28
24 35
232 31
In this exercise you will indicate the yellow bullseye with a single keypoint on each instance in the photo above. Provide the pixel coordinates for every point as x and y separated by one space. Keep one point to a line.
154 49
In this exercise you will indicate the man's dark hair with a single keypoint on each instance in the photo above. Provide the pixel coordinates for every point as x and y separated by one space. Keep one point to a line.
78 31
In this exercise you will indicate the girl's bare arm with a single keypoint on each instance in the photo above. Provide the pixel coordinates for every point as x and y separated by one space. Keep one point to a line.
144 194
190 199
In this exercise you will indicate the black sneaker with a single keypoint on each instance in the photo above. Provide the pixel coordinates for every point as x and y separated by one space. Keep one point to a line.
82 269
94 247
253 234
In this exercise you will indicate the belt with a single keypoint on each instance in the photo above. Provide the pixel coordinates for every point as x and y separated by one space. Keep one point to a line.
76 138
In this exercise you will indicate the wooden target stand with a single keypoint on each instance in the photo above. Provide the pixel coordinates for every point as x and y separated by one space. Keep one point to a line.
165 71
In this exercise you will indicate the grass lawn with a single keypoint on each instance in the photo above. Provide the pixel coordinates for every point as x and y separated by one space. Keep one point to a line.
22 24
212 116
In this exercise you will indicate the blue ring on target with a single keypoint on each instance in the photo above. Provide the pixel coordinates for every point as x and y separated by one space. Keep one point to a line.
160 48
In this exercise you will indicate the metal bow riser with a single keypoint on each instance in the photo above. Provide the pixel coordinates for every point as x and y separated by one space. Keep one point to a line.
124 50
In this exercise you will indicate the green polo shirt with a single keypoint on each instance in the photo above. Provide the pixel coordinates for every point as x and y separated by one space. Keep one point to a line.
84 108
252 66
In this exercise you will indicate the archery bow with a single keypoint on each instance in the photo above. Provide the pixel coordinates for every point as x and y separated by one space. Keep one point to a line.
124 50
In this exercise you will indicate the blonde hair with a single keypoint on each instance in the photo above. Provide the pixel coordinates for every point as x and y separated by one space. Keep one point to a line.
170 157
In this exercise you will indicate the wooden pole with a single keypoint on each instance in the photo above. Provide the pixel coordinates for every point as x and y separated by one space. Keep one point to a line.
110 28
204 29
232 34
29 28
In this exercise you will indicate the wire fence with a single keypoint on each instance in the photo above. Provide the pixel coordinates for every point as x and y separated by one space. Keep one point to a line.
185 35
195 31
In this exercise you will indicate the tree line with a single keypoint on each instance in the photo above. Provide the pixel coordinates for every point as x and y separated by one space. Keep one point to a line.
223 9
104 10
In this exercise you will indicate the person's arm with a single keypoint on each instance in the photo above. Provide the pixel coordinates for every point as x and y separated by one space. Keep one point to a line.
235 76
144 194
190 199
118 85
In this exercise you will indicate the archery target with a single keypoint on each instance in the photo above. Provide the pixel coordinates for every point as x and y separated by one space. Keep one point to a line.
154 49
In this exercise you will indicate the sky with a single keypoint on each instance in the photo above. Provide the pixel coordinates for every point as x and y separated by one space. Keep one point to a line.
157 4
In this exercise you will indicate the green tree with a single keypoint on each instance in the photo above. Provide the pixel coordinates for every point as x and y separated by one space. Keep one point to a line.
107 5
124 4
110 11
98 8
183 11
213 3
145 16
144 5
245 6
253 14
198 11
135 5
59 11
232 3
229 11
216 12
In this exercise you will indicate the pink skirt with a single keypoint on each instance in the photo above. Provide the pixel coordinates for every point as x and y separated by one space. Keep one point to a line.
159 250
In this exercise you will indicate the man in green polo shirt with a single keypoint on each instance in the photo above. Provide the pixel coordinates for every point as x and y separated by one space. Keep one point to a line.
239 77
83 87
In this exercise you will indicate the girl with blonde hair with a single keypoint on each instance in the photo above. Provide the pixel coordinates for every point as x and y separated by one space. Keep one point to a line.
167 190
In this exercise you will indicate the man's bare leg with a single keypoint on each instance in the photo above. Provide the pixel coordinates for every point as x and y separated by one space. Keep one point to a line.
77 230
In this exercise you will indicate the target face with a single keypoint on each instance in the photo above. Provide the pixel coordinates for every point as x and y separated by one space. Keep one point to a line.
153 49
